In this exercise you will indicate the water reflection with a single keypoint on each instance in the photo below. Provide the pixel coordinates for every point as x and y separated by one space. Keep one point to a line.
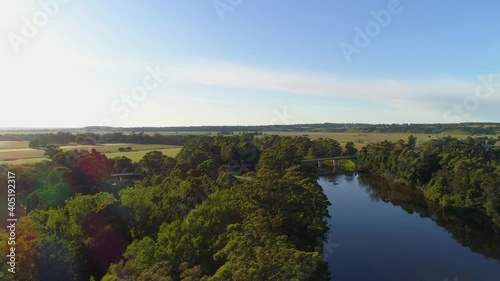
387 232
411 200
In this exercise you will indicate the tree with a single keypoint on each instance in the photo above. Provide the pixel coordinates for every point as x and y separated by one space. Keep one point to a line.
93 221
412 141
350 149
123 165
324 148
140 254
52 150
152 163
27 251
209 167
34 144
58 259
272 257
86 139
459 174
95 166
161 271
276 159
54 192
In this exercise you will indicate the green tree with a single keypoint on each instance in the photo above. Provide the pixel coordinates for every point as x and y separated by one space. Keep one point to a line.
152 163
34 144
254 253
350 149
123 165
412 141
52 150
58 259
276 159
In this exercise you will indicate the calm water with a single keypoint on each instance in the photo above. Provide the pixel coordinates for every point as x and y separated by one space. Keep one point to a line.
381 231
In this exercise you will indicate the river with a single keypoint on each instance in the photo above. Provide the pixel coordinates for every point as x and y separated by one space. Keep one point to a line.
386 232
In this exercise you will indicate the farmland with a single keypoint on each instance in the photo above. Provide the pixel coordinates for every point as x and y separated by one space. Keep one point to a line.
135 156
18 152
362 139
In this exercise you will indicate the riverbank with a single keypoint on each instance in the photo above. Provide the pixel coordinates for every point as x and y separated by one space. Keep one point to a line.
471 215
385 231
459 175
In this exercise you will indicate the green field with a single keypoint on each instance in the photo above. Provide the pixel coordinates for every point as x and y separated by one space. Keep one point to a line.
135 156
16 153
24 161
362 139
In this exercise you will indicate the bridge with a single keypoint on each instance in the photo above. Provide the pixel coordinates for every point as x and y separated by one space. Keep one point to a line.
334 159
122 176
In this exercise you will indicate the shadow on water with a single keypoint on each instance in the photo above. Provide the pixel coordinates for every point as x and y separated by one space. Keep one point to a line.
411 200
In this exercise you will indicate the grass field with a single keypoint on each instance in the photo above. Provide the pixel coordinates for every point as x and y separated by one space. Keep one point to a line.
19 153
135 156
13 144
362 139
24 161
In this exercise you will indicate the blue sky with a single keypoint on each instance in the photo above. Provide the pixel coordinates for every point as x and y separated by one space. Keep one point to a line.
257 62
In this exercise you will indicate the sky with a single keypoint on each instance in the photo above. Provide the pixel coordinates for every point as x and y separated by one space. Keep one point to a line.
74 63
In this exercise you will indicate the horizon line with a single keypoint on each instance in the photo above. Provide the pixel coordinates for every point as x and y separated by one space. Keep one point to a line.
255 125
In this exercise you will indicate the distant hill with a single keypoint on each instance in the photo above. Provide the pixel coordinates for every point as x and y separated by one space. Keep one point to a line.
460 128
465 128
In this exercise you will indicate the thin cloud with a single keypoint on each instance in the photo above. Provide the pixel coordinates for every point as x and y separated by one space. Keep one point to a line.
396 93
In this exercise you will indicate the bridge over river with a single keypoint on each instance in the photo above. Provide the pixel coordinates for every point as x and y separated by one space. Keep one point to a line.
334 159
120 177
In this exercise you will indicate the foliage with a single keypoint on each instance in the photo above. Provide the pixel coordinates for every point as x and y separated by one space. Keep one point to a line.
275 222
51 150
461 175
185 218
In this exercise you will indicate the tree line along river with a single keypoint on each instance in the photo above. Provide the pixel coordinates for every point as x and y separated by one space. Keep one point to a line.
382 231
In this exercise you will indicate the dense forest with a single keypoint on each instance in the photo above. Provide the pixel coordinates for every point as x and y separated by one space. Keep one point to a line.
226 208
461 175
239 207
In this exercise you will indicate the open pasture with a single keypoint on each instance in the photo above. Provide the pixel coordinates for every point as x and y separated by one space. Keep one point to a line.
362 139
19 152
13 144
135 156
